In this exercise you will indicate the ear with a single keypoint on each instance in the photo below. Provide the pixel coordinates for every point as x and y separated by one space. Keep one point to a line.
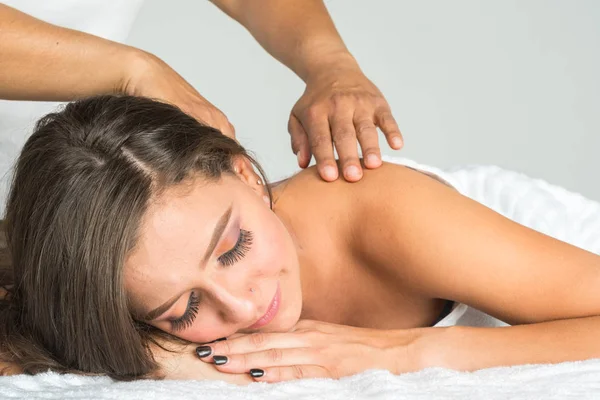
243 169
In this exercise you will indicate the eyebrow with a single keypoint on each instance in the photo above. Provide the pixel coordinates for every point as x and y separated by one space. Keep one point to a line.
217 233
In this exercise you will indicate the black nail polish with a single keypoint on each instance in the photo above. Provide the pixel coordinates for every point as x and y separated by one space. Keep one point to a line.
220 360
203 351
256 372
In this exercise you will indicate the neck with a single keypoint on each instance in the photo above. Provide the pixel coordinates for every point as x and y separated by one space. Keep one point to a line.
312 279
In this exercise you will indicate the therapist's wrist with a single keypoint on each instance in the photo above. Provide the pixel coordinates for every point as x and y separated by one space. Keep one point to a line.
325 60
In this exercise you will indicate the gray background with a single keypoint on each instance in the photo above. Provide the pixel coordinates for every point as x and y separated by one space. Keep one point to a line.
511 83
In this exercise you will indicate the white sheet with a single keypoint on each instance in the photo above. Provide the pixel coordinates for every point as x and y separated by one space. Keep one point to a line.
555 211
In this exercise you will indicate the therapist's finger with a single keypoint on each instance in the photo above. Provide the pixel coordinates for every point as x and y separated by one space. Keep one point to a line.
344 137
366 133
386 122
316 125
300 145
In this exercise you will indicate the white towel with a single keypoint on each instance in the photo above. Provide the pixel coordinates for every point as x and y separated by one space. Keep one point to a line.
532 202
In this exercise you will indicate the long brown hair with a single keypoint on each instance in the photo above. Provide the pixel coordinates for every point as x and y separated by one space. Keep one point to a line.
80 188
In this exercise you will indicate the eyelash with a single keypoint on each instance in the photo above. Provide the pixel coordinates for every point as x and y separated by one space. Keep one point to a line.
188 317
238 251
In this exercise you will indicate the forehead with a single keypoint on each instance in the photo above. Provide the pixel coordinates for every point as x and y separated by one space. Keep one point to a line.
179 224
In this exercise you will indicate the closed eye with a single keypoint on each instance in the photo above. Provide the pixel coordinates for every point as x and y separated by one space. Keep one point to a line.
186 320
239 250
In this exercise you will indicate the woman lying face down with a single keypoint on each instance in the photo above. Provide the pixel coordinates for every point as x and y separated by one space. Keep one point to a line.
136 233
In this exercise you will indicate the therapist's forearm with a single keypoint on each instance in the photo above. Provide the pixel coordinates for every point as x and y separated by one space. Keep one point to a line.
298 33
467 348
41 61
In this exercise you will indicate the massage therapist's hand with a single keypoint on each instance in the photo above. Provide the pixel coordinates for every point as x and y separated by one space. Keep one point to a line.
340 106
151 77
314 349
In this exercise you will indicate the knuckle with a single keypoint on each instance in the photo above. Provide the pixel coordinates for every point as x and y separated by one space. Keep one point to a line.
221 348
313 334
344 134
319 141
364 127
241 361
380 101
258 339
296 143
312 113
387 119
310 337
298 372
337 99
316 354
275 355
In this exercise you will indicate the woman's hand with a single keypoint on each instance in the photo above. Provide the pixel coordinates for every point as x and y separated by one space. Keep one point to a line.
149 76
340 106
183 364
316 349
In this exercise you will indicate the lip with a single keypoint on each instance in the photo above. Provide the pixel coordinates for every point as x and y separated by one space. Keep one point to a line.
271 311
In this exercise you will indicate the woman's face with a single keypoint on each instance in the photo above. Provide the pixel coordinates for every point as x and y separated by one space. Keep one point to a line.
200 251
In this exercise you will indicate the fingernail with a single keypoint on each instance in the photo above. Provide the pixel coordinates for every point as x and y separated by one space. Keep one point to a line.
396 141
353 172
256 372
372 159
203 351
220 360
330 172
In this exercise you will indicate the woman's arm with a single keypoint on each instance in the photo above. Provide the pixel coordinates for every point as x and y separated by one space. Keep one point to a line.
449 246
468 348
446 245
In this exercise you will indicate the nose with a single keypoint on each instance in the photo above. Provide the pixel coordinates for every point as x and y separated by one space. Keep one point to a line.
233 306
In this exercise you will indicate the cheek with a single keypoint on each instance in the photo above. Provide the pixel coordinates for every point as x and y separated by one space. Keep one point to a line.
205 331
272 245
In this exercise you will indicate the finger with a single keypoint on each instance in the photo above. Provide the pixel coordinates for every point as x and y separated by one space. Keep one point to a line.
385 120
344 137
231 130
252 343
366 133
289 373
214 118
300 145
316 125
223 124
242 363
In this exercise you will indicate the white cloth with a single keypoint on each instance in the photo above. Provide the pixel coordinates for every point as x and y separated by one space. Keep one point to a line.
555 211
570 380
110 19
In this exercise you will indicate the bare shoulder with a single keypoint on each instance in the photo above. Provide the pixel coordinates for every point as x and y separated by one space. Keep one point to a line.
344 209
